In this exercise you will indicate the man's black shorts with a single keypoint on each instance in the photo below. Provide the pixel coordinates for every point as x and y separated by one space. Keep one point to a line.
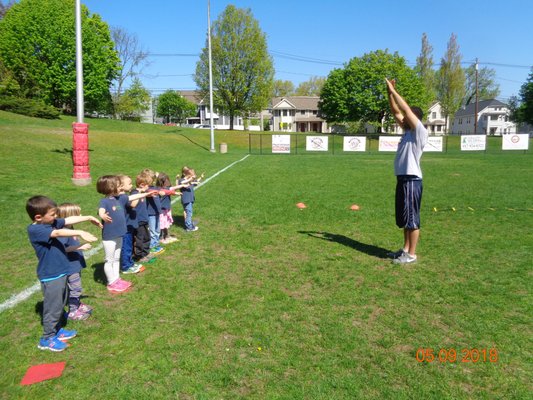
408 200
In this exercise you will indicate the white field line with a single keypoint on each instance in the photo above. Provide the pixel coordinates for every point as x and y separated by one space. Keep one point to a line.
26 293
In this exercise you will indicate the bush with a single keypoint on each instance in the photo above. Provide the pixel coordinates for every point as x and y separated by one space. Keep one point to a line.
28 107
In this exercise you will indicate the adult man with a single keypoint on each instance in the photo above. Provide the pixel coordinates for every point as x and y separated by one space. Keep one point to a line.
408 173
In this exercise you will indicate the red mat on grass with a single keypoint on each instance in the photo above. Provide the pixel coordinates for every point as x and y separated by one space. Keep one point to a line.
42 372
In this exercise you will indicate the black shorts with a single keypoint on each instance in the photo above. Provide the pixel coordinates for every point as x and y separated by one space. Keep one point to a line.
408 200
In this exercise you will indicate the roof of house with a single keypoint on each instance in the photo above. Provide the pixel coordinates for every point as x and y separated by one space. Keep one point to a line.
192 95
299 102
471 108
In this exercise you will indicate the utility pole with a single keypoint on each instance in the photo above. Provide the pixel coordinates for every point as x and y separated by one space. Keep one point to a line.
475 116
210 78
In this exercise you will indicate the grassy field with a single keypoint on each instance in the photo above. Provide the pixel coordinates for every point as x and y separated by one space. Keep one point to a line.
267 301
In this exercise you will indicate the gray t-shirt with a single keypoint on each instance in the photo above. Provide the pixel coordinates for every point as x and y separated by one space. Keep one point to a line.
410 148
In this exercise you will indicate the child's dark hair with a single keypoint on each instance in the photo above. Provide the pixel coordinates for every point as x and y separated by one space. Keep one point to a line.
39 205
108 185
163 180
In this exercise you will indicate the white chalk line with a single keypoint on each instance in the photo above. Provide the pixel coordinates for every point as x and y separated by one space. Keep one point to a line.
28 292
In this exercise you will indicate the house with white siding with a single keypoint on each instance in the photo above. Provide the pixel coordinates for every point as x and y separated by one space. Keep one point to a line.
492 119
297 114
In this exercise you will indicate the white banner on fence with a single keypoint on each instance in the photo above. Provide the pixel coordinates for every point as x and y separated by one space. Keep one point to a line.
389 143
473 142
354 143
515 141
434 143
281 143
316 143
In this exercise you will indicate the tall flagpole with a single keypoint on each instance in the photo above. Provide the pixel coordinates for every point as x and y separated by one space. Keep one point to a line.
80 131
210 78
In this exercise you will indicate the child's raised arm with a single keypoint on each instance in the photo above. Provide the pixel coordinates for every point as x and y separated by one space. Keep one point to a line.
73 232
83 218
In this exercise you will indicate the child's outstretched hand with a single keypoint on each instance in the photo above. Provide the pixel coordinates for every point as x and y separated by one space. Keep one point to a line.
85 246
95 221
106 217
87 236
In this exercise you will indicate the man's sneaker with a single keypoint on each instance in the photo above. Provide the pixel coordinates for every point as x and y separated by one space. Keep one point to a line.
85 308
172 239
405 258
78 315
193 229
64 335
52 344
134 269
396 254
157 250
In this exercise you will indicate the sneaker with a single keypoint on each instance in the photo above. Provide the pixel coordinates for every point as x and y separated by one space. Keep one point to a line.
148 260
193 229
52 344
164 241
405 258
171 239
396 254
157 250
85 308
64 335
125 284
78 315
116 287
134 269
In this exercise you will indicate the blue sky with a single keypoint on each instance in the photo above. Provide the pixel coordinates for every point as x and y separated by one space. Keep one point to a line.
310 37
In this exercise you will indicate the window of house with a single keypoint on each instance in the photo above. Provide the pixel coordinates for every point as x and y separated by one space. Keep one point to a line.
493 117
314 112
439 128
302 112
434 115
285 113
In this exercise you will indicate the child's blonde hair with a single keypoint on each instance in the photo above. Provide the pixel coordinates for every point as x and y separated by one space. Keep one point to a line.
68 210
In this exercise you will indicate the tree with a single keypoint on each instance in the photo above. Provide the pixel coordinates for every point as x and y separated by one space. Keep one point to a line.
134 102
487 87
358 91
37 45
132 59
524 110
174 107
424 68
243 70
451 80
282 88
311 87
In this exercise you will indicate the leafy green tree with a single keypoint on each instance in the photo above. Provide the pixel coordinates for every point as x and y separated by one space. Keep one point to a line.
486 84
523 107
133 102
282 88
5 7
358 91
37 45
424 68
311 87
243 70
172 106
451 80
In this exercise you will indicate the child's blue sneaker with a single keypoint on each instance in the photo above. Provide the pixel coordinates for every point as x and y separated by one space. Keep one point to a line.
63 334
52 344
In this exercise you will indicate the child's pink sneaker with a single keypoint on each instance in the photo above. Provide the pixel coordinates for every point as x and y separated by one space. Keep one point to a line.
124 284
116 287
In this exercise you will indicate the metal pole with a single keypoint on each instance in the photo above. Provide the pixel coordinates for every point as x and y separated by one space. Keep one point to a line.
210 77
81 175
79 65
475 116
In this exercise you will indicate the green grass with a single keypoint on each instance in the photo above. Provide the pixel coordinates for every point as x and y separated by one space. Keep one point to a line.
267 301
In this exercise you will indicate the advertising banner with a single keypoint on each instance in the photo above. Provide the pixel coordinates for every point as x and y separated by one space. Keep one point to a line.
389 143
434 144
515 141
281 143
473 142
354 143
316 143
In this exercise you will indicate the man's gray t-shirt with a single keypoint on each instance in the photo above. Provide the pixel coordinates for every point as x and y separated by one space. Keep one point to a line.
410 148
